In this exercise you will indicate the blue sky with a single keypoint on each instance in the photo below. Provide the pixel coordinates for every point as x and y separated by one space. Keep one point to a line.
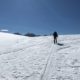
40 16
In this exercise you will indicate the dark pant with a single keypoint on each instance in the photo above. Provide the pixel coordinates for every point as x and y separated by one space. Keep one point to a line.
55 40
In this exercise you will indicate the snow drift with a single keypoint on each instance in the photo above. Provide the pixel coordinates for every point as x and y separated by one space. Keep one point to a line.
37 58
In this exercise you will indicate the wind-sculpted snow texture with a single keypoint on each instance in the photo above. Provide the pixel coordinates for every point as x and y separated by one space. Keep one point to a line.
37 58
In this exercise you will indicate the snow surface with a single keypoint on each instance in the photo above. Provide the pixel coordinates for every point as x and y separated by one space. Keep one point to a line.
37 58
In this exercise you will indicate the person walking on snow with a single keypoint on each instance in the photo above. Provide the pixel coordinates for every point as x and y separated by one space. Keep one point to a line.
55 35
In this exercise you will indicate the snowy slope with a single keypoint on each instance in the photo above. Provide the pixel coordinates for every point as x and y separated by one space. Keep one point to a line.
37 58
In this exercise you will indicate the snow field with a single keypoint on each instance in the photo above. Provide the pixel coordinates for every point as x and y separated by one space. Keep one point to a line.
37 58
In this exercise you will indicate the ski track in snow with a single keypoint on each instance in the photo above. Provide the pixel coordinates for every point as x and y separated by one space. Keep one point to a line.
60 66
37 58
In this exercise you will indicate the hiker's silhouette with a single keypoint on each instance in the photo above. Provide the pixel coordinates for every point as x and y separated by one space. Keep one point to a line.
55 35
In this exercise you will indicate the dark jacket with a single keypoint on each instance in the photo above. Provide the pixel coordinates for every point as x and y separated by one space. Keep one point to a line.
55 34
